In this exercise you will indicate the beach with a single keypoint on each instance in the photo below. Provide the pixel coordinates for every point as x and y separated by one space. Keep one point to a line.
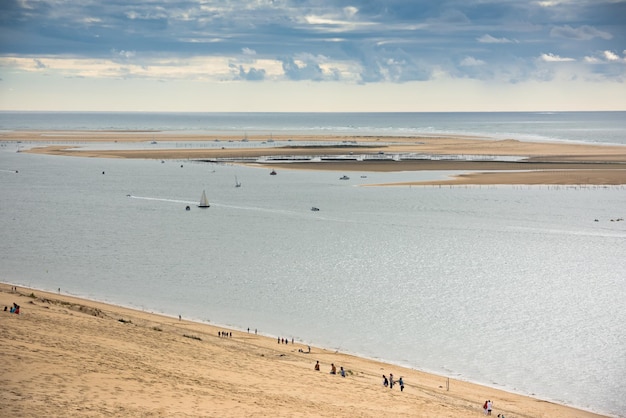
63 355
484 160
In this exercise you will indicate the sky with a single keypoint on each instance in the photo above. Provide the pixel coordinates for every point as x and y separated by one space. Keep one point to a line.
312 55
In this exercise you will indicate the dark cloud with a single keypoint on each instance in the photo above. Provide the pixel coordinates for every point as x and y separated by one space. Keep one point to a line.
252 74
306 70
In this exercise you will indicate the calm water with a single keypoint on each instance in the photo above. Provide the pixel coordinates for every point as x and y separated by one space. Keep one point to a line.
514 287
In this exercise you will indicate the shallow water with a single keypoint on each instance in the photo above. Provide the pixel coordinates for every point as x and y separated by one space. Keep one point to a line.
514 287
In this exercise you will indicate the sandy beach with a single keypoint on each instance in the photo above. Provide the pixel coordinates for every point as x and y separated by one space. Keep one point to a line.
69 356
486 161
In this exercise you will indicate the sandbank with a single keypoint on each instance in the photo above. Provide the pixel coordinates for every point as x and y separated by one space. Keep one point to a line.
64 355
483 160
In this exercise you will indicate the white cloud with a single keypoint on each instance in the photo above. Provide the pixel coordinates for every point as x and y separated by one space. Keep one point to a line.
337 22
350 11
124 54
248 51
555 58
592 60
605 57
488 39
611 56
192 68
471 62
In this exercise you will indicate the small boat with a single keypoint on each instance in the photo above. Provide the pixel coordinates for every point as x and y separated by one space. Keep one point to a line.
273 173
314 209
204 202
344 177
237 184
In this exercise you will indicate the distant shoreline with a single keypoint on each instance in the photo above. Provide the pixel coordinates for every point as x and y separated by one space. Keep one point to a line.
482 160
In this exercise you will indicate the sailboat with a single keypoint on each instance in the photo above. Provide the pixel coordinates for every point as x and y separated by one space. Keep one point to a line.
204 202
237 184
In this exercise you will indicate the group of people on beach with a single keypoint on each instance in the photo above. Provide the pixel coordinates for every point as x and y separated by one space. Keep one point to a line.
333 369
386 382
390 382
14 309
487 407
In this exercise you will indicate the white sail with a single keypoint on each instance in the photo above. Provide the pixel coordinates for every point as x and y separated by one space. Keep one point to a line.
204 202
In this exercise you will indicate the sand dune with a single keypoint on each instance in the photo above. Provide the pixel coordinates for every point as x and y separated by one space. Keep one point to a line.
73 357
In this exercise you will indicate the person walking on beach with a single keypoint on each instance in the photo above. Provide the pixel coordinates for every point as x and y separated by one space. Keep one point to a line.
401 383
489 407
333 369
317 366
385 381
342 372
485 407
390 381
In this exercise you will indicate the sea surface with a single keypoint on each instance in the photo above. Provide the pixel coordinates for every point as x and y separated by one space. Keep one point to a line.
592 127
519 288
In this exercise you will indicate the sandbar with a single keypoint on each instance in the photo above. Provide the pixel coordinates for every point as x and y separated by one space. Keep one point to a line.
481 160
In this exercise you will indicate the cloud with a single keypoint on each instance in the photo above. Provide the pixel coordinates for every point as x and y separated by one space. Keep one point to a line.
611 56
124 54
555 58
273 40
252 74
471 62
302 69
350 11
488 39
40 65
582 33
605 57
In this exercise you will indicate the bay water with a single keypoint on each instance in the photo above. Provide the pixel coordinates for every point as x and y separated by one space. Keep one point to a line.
516 287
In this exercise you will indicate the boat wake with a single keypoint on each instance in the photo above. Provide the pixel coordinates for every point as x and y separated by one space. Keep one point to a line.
305 213
158 199
260 209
